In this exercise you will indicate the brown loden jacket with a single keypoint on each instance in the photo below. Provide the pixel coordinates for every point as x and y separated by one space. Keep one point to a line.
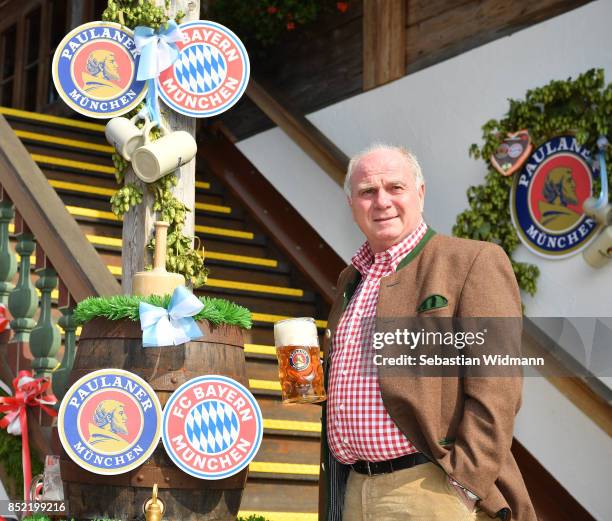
464 425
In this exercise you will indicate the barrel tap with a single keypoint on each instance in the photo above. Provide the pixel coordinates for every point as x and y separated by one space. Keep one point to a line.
154 507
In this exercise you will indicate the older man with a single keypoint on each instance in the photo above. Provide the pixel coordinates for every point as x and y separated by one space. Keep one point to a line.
415 449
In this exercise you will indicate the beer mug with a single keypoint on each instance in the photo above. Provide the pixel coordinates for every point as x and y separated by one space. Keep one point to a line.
599 252
124 135
299 366
48 486
157 158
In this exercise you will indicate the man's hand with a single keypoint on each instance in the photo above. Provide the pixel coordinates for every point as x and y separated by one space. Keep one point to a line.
469 499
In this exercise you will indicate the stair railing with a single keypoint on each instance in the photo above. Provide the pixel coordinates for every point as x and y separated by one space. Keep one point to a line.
67 267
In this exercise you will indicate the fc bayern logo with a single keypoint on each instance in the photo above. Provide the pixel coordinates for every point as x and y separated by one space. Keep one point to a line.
547 197
110 421
210 74
212 427
94 70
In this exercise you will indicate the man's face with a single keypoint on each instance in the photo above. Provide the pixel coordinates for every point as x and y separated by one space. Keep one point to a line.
385 202
568 187
112 69
119 421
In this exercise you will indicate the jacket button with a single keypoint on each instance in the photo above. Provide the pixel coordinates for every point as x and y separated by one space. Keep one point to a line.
328 333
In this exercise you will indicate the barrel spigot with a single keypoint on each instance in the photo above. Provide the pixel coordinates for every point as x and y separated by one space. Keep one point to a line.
154 507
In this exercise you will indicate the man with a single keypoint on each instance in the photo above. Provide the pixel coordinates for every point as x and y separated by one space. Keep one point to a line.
434 449
109 421
101 74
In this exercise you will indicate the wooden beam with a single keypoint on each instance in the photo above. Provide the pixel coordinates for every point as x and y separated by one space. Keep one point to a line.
559 372
308 137
441 29
139 223
552 502
384 41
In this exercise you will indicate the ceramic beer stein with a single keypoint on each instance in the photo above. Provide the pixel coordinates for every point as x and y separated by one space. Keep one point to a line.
155 159
124 135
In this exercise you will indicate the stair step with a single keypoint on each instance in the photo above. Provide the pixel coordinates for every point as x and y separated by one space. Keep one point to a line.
64 142
284 470
115 243
309 414
109 192
287 450
90 167
91 213
52 120
269 319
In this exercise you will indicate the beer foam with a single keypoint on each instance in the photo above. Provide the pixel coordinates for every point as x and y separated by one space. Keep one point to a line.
296 332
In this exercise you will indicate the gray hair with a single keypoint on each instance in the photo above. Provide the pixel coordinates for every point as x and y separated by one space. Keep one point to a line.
410 158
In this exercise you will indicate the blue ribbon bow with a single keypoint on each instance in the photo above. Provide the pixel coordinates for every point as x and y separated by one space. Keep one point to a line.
158 50
172 326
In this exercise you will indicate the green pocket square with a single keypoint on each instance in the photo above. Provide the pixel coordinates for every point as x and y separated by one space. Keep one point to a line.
433 302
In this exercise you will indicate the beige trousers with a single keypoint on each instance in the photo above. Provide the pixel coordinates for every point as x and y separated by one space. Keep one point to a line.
420 493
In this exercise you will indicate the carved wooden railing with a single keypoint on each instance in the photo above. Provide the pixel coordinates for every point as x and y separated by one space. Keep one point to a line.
66 266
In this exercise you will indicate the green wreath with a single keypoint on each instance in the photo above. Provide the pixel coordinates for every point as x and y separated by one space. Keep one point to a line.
581 107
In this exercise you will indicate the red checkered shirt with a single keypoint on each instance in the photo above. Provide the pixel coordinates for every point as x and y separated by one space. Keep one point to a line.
358 425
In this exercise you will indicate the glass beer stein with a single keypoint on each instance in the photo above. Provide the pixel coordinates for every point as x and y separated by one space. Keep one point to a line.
299 366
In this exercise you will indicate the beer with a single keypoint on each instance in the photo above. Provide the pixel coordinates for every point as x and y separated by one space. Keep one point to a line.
299 367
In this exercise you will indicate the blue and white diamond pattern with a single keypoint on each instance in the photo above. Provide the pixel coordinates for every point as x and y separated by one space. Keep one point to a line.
212 426
200 68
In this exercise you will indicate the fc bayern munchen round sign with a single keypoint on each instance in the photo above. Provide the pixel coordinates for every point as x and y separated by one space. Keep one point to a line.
212 427
210 74
94 70
109 421
547 197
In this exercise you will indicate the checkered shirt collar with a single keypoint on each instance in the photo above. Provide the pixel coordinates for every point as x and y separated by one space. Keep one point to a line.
364 258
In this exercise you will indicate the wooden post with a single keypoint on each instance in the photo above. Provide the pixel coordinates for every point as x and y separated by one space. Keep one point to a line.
139 222
384 41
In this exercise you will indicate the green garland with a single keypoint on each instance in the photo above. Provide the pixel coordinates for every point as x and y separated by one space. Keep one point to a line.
181 257
582 107
216 310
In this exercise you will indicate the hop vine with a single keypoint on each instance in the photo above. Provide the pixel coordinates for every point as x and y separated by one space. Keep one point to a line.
132 13
581 107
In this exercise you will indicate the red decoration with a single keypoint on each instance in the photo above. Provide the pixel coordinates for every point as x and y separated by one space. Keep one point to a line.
272 10
28 392
290 26
4 321
342 6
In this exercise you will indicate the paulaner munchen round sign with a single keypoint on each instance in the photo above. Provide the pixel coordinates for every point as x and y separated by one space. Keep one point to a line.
547 197
109 421
94 70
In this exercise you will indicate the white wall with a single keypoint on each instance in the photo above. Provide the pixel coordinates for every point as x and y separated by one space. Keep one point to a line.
438 113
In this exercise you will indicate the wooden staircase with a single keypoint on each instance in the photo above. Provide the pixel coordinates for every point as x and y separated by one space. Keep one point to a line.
245 268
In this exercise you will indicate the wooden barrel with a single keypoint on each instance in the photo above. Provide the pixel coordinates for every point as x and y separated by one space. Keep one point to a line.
118 344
